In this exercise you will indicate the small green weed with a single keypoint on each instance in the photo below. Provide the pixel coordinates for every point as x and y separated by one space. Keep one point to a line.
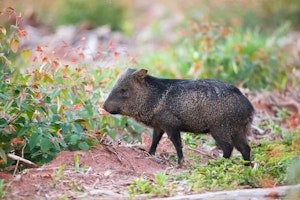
140 186
2 190
58 176
77 167
76 162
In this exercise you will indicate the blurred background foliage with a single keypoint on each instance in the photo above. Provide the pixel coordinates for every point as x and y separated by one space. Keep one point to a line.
72 12
266 15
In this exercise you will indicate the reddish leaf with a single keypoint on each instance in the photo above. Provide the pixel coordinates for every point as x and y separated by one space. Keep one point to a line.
34 58
82 56
74 60
22 33
45 59
104 81
39 49
10 10
111 46
55 64
17 141
78 69
78 106
116 54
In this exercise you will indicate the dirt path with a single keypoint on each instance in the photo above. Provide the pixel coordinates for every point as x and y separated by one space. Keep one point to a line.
104 172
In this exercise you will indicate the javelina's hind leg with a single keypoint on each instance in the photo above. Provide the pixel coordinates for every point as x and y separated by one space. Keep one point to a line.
223 141
157 134
240 142
174 136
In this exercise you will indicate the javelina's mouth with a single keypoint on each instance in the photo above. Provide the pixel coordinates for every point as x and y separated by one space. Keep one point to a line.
114 112
111 111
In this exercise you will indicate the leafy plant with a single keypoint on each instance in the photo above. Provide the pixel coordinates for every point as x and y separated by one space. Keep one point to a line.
52 106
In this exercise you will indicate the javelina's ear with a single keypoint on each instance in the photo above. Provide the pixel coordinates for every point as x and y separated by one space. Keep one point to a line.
140 75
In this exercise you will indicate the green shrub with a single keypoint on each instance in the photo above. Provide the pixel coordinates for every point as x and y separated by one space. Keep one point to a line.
210 50
52 106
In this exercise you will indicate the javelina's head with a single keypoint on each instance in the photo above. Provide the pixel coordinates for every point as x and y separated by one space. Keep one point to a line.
127 93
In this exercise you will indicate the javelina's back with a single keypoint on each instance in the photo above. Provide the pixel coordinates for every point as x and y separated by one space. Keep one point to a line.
202 104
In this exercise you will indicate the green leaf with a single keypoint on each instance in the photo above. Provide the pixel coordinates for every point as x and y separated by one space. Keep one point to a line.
64 127
74 139
113 133
7 105
3 96
20 120
77 128
34 140
3 155
45 144
3 122
54 93
22 131
26 107
84 146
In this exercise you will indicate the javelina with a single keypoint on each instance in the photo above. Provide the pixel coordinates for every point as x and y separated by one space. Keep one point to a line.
175 105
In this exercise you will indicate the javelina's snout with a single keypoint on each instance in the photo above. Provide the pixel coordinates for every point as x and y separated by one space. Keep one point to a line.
110 107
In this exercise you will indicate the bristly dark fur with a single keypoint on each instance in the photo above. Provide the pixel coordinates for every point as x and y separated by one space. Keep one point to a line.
175 105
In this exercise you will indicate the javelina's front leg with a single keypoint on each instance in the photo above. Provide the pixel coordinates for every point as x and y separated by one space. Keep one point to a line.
157 134
176 140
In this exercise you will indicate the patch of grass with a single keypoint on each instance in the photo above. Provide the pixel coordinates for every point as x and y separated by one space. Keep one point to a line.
160 187
275 162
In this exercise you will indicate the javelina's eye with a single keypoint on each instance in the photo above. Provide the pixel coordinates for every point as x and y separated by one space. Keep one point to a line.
123 91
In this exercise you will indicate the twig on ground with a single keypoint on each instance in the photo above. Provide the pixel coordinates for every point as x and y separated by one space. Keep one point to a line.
256 193
258 130
112 150
23 161
202 152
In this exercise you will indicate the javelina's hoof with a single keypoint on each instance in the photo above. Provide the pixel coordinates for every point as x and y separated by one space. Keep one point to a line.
180 164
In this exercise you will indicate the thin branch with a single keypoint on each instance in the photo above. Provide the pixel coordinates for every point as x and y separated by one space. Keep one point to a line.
23 161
